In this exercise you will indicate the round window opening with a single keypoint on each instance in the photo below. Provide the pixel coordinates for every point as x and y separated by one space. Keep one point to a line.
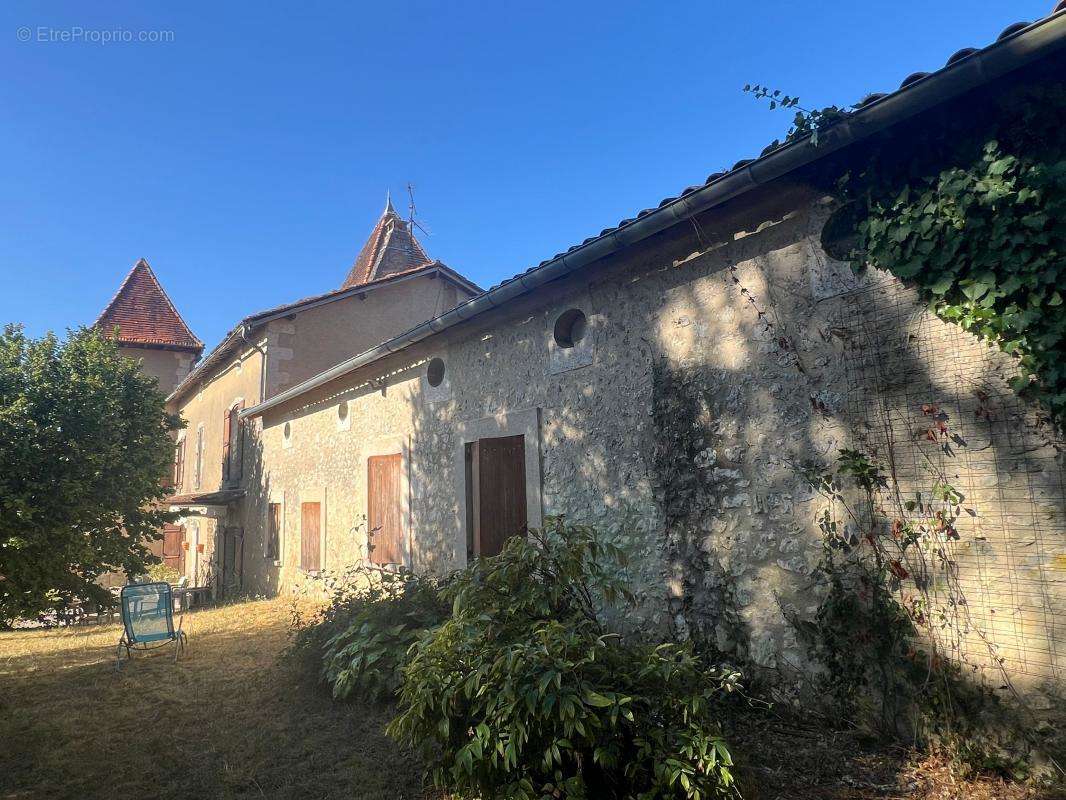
435 372
342 410
570 328
287 430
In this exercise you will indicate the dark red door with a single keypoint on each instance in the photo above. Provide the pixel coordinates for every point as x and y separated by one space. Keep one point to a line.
497 491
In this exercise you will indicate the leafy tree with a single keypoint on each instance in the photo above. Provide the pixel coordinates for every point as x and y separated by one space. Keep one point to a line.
84 444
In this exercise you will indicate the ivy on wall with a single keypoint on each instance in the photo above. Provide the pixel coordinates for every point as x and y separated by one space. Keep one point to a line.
974 216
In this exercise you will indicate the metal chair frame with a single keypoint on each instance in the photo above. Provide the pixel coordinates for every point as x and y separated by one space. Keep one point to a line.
129 642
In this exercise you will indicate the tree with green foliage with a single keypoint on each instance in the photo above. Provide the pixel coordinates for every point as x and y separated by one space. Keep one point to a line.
85 442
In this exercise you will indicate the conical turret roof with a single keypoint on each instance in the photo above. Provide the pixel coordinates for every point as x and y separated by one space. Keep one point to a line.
144 315
391 249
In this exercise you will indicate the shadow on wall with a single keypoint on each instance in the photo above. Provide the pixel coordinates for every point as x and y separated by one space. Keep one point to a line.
782 357
252 570
714 379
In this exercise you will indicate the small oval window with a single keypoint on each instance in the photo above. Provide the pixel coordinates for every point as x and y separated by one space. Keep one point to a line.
342 410
435 372
570 328
287 430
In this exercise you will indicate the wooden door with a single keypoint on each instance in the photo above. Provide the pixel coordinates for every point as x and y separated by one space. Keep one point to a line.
174 547
497 492
232 561
310 537
384 509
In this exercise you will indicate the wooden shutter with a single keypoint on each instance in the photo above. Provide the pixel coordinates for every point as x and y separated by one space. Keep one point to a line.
174 547
310 536
179 464
385 521
273 543
227 432
472 498
199 474
498 467
237 429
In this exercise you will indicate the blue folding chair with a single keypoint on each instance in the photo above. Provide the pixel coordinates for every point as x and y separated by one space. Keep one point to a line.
148 620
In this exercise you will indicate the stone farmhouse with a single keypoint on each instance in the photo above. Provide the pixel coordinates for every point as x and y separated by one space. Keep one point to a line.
661 380
391 286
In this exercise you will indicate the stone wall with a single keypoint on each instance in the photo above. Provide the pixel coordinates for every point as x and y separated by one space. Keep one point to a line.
704 382
284 352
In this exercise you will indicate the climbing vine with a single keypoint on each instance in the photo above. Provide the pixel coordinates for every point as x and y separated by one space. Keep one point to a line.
890 632
976 220
973 216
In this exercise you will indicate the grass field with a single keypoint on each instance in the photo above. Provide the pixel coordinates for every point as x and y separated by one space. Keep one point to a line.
226 721
231 721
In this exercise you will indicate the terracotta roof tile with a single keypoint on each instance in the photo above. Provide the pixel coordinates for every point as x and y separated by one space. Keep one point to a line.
391 249
144 314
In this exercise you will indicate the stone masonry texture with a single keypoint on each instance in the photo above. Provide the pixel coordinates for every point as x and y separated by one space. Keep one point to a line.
720 357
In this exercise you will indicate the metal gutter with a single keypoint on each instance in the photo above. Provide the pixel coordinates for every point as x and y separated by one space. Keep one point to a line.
1011 52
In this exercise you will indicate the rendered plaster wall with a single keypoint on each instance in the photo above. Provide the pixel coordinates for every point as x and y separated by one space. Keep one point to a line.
325 335
205 406
704 382
168 367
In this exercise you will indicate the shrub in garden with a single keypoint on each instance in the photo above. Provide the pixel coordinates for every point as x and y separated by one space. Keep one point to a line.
162 573
358 643
524 691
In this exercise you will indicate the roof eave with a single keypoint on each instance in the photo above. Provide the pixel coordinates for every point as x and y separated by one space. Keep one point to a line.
1005 55
184 348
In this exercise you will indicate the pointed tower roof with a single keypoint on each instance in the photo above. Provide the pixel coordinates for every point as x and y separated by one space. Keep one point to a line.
391 249
144 315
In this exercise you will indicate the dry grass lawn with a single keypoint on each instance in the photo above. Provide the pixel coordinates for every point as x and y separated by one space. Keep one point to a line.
228 720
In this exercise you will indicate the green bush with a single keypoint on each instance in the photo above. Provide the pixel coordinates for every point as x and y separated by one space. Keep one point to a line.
389 615
162 573
358 643
525 692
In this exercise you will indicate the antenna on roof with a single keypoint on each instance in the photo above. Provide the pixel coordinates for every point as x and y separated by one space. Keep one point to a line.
411 211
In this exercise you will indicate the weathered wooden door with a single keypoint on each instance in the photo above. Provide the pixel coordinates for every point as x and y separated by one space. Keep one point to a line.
232 561
496 482
174 547
310 537
384 509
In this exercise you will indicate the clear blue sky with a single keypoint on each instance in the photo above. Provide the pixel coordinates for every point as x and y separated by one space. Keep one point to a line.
247 158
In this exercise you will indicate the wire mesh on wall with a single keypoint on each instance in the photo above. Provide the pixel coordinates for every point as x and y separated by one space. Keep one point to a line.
932 402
